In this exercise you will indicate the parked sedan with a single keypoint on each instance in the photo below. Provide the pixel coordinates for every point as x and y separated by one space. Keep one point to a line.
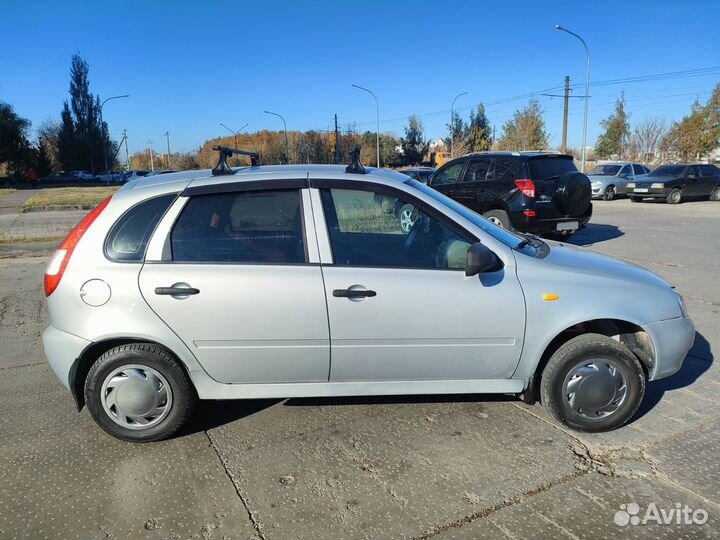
83 176
610 179
110 176
676 183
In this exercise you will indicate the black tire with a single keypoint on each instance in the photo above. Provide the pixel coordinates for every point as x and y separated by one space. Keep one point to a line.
610 193
636 199
674 197
499 217
715 195
573 193
588 348
184 397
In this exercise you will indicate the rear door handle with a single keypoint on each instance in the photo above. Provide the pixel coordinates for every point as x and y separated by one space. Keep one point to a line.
176 291
353 293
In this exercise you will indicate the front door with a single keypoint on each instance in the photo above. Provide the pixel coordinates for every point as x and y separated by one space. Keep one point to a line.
400 305
239 290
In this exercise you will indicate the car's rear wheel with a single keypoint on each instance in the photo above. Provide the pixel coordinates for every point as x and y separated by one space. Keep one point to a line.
499 218
674 197
715 195
592 383
636 199
610 193
139 392
405 215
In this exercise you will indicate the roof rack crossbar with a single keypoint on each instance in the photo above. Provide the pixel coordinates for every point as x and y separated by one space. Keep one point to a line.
222 168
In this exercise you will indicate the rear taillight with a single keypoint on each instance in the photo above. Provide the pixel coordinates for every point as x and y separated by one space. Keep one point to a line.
527 187
56 268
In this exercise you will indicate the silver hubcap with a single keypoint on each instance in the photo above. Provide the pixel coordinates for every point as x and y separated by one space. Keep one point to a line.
610 193
495 221
675 196
595 389
136 396
406 221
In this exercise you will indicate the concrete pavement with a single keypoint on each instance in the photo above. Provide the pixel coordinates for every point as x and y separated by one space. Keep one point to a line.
421 467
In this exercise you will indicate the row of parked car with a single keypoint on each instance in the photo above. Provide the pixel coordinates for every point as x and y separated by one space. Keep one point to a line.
544 193
112 177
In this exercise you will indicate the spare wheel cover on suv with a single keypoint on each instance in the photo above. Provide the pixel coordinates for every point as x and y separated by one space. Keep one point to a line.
573 193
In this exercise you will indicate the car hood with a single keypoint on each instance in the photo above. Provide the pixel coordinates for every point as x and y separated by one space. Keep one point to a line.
600 177
593 263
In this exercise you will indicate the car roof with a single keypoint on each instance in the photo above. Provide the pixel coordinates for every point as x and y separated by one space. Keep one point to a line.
205 177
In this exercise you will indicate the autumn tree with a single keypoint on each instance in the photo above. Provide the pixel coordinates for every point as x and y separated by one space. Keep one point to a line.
461 133
616 132
525 130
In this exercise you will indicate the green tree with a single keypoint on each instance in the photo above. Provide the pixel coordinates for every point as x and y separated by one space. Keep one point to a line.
525 130
480 133
613 140
687 139
83 142
461 132
14 145
414 146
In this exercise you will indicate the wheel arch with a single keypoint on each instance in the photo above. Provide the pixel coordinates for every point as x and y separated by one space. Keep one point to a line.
630 334
82 364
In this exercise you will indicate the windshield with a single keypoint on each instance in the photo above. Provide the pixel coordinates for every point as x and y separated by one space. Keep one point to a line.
668 170
605 170
506 237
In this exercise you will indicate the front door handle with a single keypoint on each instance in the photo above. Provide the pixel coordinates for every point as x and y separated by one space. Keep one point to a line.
353 293
176 291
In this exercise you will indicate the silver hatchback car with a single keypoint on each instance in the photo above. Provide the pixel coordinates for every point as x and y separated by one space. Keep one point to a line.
288 281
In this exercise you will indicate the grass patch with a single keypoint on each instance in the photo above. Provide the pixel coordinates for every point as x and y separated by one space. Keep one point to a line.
70 196
6 191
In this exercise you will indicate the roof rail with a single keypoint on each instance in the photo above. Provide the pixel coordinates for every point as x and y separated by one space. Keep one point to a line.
355 166
222 168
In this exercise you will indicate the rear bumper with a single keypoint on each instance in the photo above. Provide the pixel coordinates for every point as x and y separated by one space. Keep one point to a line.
672 340
527 224
61 350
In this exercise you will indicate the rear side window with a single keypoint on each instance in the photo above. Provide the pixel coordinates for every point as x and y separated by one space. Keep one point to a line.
708 170
129 236
257 227
546 168
505 170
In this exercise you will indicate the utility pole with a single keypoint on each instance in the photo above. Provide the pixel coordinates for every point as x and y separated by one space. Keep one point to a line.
127 154
565 114
167 136
337 143
152 165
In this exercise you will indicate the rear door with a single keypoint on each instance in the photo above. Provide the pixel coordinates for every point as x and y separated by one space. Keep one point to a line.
708 179
254 310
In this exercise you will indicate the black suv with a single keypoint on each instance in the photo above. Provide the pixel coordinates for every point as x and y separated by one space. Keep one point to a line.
535 192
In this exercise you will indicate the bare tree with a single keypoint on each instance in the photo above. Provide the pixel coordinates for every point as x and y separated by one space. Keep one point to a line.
646 140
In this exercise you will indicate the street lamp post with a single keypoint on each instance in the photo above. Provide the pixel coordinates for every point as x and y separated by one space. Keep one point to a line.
167 136
377 117
587 90
452 123
287 147
105 153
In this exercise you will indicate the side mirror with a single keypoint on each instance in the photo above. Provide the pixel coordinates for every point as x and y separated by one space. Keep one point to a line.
480 259
623 175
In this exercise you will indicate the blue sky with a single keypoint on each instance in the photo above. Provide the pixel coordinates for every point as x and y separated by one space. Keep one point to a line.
190 65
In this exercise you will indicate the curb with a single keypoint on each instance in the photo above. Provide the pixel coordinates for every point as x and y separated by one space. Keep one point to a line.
57 207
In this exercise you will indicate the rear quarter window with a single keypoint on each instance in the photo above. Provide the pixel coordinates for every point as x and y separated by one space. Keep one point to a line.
130 234
543 168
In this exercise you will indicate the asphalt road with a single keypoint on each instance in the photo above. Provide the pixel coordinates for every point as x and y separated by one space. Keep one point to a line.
433 467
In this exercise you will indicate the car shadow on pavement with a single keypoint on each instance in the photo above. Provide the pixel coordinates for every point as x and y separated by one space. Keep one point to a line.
210 414
396 400
595 233
697 362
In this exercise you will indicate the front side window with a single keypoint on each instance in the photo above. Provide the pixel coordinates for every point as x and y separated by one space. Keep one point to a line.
478 170
639 169
692 172
605 170
129 236
448 175
626 171
257 227
362 234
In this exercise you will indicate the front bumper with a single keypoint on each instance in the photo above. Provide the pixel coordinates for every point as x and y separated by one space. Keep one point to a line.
61 350
656 193
672 340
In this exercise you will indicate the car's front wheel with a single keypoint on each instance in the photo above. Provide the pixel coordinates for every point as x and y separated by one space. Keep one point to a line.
592 383
715 195
674 197
139 392
610 193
